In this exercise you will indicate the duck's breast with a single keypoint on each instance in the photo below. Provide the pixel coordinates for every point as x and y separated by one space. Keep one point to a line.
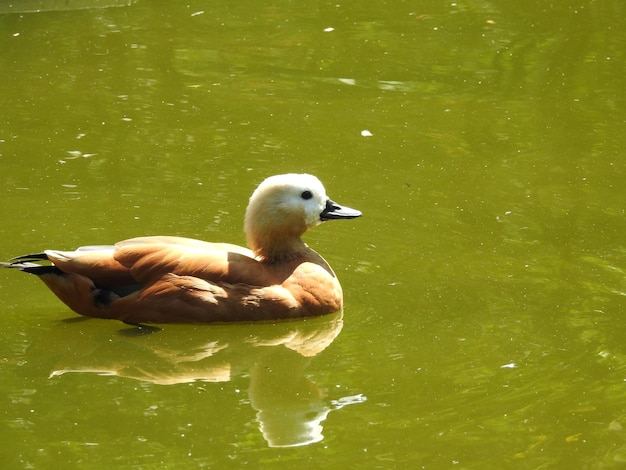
316 288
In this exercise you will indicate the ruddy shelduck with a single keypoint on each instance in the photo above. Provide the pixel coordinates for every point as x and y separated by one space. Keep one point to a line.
166 279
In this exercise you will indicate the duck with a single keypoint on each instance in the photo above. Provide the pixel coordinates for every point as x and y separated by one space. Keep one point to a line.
172 279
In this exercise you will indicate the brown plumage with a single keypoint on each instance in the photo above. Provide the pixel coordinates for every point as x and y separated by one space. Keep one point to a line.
166 279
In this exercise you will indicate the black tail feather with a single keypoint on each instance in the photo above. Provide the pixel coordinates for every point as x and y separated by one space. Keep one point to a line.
29 264
39 270
32 268
31 257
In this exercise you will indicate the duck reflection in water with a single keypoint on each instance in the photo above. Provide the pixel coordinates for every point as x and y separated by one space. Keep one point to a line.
290 408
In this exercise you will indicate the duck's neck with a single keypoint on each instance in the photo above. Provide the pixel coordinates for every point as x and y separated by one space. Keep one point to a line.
273 236
277 249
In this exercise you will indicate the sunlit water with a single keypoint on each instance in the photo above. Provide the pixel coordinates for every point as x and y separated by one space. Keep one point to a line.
484 286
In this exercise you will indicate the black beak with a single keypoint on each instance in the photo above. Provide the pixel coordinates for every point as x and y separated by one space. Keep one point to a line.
335 211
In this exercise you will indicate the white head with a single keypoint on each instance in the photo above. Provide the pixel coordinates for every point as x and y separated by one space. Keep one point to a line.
283 207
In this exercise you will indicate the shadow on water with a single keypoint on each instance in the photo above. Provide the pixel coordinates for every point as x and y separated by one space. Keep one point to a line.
274 356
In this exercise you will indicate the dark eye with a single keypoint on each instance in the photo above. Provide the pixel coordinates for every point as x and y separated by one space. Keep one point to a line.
306 195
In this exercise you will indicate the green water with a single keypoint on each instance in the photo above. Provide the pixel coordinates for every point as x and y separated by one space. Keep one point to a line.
484 286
